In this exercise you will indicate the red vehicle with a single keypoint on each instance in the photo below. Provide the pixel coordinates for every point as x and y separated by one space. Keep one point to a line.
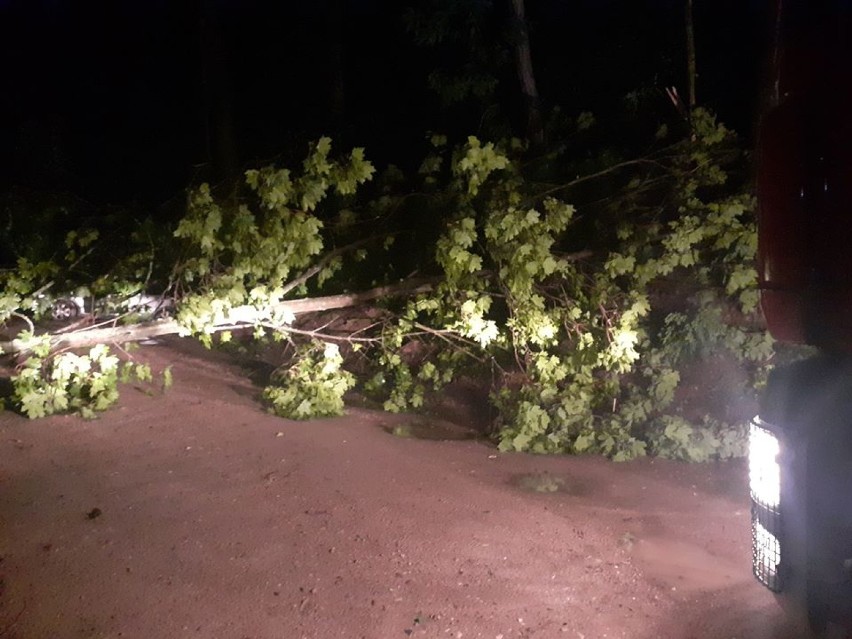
800 459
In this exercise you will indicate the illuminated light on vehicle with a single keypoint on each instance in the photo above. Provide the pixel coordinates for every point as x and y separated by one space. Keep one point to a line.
764 473
765 486
766 555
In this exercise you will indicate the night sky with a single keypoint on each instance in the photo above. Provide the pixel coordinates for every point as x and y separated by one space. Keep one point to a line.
115 101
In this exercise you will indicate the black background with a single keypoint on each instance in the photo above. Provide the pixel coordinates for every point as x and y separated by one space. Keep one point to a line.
111 99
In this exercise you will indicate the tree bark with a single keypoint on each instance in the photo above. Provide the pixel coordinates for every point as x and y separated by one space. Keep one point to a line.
337 68
690 55
240 317
523 64
218 95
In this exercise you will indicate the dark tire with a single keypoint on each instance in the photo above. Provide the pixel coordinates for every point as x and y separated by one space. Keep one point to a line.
64 310
830 631
822 628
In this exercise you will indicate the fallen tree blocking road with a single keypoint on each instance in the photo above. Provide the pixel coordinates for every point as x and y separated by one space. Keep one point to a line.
242 316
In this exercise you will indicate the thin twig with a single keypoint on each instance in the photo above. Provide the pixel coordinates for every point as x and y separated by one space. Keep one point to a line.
315 334
593 176
13 622
445 335
325 261
366 328
123 350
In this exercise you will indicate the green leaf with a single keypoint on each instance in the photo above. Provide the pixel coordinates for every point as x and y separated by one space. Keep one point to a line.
167 378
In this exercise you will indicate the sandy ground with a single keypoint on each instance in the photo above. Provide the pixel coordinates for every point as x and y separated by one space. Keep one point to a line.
195 514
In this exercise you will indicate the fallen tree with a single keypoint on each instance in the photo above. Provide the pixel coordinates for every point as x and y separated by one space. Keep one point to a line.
579 359
87 332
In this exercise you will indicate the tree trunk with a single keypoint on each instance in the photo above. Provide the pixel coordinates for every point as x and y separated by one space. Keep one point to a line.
337 68
218 96
523 64
690 55
240 317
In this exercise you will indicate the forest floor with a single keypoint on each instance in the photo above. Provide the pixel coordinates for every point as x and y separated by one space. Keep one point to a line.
193 513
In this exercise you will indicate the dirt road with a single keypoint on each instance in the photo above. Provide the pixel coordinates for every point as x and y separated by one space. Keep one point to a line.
195 514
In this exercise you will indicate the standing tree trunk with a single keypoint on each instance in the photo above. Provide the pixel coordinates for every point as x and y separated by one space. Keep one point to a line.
690 55
337 68
523 63
218 98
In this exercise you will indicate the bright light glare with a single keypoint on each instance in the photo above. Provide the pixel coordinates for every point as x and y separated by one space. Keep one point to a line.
764 474
767 550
